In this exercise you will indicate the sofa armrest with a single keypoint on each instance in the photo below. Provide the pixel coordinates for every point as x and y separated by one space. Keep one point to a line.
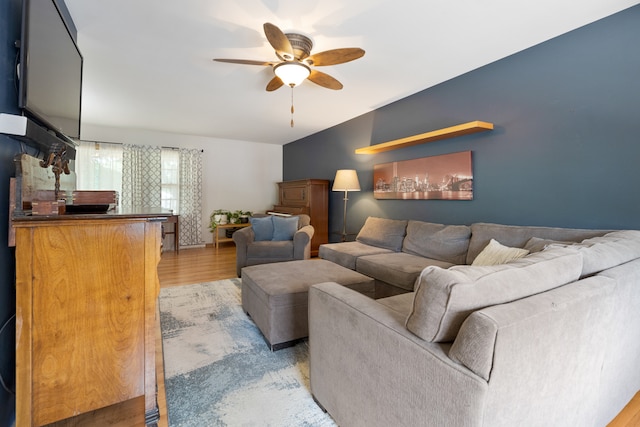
547 348
302 242
366 368
242 238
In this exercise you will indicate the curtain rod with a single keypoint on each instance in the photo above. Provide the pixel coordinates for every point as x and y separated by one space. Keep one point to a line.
122 143
99 142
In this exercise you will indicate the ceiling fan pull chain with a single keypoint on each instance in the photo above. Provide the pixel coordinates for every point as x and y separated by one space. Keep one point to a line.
292 106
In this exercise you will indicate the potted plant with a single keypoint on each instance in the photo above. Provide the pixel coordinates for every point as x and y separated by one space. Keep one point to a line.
234 217
219 216
244 216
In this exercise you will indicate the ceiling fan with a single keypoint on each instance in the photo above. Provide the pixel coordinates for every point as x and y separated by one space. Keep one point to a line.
296 62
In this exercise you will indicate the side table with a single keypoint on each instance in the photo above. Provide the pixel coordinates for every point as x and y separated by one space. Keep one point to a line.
217 239
175 220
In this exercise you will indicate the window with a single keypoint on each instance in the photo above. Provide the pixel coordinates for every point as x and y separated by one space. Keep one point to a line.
147 176
99 166
170 169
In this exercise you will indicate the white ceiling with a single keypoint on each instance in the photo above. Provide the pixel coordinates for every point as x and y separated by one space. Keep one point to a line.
148 63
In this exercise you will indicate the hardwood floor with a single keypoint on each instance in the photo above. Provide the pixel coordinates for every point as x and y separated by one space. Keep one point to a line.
630 415
204 265
197 265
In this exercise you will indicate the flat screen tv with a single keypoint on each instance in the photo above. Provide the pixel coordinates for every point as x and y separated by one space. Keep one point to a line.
50 69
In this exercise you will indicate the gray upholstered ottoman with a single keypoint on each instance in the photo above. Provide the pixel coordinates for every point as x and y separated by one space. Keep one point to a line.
276 295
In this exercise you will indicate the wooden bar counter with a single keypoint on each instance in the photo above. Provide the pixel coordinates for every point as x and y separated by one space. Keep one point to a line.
86 292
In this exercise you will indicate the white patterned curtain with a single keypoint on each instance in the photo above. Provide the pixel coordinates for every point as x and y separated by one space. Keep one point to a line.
141 176
190 197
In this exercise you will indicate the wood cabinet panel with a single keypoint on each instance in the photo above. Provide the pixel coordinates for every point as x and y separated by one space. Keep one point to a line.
294 195
73 324
86 298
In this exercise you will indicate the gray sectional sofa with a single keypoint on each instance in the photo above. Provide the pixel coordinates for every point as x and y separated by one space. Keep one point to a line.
549 338
394 252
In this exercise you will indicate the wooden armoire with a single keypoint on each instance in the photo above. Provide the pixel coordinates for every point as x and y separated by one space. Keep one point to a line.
311 197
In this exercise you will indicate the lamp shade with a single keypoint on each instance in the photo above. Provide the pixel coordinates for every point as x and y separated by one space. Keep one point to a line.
346 180
292 73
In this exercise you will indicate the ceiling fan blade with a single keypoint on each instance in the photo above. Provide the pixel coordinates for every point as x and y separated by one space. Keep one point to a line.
274 83
279 41
324 80
243 61
336 56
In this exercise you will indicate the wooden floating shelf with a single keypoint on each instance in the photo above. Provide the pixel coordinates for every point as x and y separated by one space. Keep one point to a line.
450 132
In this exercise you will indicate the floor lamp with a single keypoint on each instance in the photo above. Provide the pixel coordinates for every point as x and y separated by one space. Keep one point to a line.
346 180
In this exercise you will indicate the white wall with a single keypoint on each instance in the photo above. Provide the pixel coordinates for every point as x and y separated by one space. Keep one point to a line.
236 174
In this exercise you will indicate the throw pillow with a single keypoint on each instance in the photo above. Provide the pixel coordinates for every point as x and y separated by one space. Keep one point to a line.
383 233
445 297
284 227
495 253
262 228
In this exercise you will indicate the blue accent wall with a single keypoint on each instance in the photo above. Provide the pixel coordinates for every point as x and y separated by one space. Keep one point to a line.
565 150
10 21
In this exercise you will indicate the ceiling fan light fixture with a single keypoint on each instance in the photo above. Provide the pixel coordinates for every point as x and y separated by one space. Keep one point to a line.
294 50
292 73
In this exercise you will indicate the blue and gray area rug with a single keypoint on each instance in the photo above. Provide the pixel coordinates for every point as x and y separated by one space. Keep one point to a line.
218 369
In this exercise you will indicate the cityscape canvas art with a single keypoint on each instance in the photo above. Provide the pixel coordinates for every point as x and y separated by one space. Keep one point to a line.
447 176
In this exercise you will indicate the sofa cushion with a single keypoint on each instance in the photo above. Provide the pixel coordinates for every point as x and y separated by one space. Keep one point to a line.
612 249
601 252
262 228
396 268
284 227
346 253
438 241
517 236
495 253
444 298
265 250
383 233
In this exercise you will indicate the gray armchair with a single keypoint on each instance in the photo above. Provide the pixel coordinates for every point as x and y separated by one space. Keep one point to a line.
252 251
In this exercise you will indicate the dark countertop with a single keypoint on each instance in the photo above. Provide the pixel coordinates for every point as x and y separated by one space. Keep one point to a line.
157 214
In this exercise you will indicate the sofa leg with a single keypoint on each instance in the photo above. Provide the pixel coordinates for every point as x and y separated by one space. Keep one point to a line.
281 345
318 403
